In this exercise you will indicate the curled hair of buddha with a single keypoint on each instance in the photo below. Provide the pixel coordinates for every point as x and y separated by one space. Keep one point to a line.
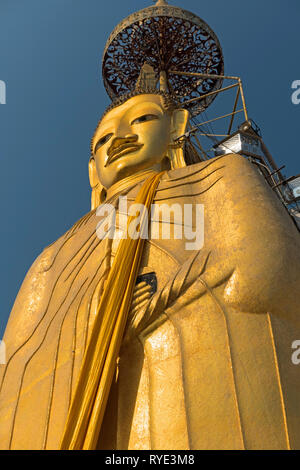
168 102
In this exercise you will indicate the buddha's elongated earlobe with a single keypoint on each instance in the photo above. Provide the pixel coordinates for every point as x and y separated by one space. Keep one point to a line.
98 191
178 128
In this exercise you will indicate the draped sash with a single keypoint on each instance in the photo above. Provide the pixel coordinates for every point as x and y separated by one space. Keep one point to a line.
89 401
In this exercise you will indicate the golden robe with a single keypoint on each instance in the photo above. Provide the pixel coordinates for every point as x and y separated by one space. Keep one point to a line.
207 365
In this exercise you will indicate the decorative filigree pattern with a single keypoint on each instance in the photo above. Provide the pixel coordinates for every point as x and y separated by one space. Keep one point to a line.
169 39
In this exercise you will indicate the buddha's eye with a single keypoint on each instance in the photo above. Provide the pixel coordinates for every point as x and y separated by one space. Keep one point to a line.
144 118
102 141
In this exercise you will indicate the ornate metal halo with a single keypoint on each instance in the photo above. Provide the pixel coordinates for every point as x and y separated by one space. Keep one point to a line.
169 39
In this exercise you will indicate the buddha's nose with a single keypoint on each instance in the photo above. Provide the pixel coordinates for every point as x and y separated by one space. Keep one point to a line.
118 141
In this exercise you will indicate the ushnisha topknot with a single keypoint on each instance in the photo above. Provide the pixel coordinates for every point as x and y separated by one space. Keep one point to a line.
169 103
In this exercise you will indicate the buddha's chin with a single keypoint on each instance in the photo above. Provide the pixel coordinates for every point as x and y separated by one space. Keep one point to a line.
124 171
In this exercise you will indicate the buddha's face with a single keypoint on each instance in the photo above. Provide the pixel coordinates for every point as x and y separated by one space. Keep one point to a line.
131 137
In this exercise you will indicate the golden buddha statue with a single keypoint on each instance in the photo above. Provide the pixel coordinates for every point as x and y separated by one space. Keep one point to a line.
205 362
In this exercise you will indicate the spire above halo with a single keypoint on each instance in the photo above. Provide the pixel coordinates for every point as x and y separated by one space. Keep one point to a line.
160 2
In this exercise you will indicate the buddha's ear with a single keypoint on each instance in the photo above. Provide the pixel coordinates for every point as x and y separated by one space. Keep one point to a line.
179 123
98 191
180 119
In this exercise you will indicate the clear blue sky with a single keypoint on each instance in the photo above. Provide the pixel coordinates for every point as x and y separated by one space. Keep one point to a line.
50 58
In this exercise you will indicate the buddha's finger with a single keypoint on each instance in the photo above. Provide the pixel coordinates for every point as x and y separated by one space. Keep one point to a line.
141 298
137 295
139 286
141 291
136 309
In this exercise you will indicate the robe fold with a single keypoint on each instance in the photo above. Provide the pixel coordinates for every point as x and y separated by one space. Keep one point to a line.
206 363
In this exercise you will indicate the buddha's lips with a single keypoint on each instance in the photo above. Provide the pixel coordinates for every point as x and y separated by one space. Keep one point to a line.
122 150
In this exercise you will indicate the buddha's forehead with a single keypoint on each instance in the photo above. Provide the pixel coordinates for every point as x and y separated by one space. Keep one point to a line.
147 101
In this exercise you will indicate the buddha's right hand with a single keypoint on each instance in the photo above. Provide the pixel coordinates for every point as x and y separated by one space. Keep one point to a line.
141 295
